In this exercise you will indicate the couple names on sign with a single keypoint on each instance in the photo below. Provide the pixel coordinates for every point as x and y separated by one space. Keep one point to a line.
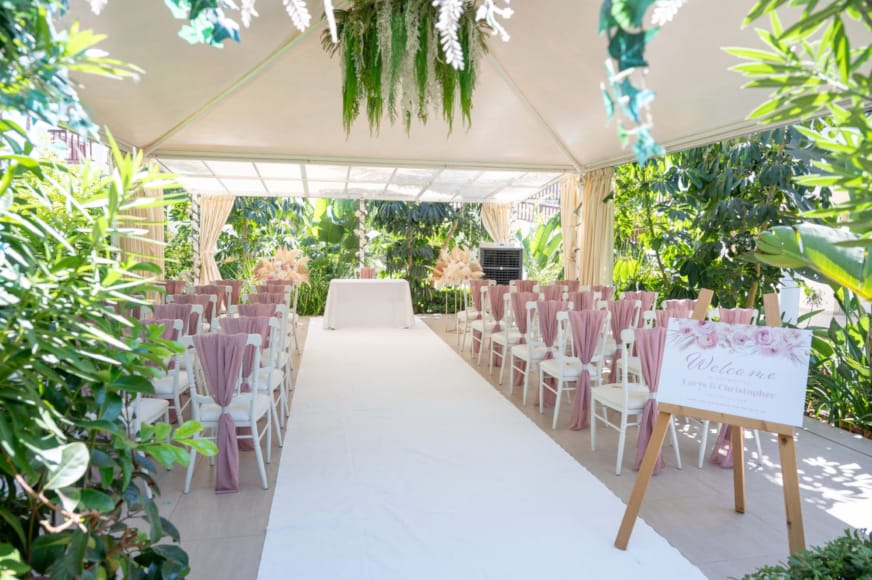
757 372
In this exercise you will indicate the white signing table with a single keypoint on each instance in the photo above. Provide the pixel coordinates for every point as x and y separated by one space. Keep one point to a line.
368 304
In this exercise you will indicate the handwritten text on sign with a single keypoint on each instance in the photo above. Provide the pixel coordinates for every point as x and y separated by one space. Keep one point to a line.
757 372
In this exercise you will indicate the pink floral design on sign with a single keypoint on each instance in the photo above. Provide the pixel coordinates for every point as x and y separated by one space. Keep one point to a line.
739 339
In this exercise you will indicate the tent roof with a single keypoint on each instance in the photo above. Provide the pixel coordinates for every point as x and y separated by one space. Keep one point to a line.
274 98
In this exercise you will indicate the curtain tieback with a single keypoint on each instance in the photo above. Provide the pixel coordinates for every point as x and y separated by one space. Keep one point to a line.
589 368
225 410
652 396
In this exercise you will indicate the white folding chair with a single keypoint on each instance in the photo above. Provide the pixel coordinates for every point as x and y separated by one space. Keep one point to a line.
173 383
245 408
531 352
506 338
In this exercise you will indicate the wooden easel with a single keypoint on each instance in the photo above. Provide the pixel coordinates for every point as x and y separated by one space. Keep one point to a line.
786 448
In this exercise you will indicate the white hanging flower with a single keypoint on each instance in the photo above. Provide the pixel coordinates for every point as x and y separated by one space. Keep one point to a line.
489 11
665 11
97 6
447 25
299 13
247 11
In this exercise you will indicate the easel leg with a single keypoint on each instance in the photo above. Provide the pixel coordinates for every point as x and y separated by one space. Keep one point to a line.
738 448
792 502
655 445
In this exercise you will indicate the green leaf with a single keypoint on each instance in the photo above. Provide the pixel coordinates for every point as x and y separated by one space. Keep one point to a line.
187 430
96 500
841 50
11 564
65 464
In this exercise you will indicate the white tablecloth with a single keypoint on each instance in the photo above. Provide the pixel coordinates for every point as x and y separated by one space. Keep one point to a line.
369 304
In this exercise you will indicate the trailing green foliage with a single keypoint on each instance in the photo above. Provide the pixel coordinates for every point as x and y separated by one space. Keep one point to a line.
847 557
394 65
815 69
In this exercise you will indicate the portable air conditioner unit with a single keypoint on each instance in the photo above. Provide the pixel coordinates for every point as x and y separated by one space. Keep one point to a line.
501 263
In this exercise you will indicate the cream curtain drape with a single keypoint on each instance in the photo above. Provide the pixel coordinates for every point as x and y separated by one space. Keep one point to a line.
496 218
213 215
569 202
596 257
147 243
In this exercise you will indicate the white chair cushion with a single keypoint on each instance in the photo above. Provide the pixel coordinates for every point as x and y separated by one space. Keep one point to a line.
150 410
611 396
513 338
163 387
238 410
566 368
270 378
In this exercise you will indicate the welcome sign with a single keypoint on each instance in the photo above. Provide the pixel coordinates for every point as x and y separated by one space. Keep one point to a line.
758 372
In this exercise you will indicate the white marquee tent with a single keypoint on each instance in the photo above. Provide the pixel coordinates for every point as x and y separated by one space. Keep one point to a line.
263 117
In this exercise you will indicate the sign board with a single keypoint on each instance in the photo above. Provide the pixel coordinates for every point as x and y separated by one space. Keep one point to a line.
758 372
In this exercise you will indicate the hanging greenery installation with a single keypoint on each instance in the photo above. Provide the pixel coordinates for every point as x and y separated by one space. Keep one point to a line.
394 63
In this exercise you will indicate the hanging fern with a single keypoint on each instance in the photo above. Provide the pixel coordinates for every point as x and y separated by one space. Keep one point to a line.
393 62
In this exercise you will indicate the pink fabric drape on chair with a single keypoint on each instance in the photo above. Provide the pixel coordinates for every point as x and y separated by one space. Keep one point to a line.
606 292
525 285
647 299
367 273
553 291
235 289
679 309
221 357
217 291
177 311
267 298
587 327
548 329
571 285
475 290
722 454
201 299
174 286
681 303
519 311
271 289
581 300
256 309
497 305
622 317
650 344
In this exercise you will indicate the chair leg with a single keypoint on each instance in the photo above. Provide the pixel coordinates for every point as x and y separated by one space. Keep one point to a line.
481 347
190 473
557 403
622 439
258 454
275 417
592 424
675 442
503 364
703 442
759 447
541 392
490 362
526 378
177 401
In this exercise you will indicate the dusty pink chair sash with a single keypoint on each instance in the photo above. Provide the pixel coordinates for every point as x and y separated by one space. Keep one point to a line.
646 298
221 357
177 311
678 310
267 298
174 286
280 282
606 292
217 291
519 310
475 289
367 273
587 328
497 304
271 289
680 303
256 309
525 285
571 285
201 299
650 343
247 325
722 454
622 318
548 329
235 289
553 291
581 300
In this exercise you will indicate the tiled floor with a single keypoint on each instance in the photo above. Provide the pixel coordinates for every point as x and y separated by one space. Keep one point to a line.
691 508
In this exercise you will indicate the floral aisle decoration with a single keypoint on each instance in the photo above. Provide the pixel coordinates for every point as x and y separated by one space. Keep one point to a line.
285 265
402 58
455 268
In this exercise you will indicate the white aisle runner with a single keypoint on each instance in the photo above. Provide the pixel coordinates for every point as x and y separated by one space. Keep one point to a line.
401 462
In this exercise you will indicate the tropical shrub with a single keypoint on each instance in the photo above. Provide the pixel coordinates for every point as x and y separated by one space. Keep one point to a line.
72 477
543 251
848 556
